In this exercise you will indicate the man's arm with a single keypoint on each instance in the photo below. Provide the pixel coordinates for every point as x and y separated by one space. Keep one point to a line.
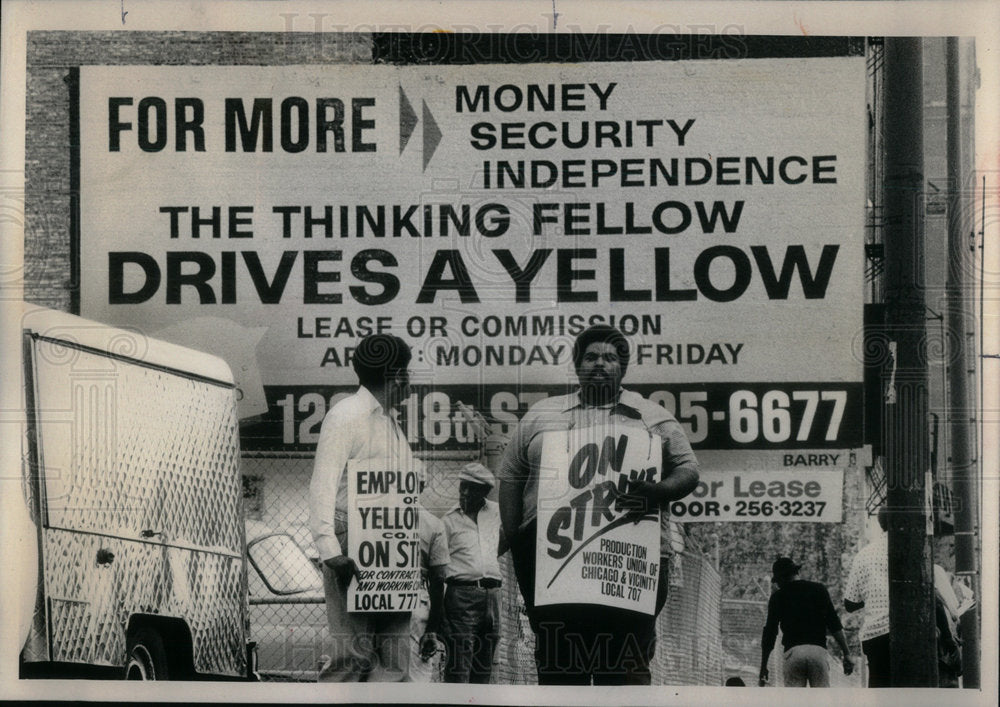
853 596
332 452
436 576
435 590
437 571
845 651
836 629
680 470
502 544
513 475
680 464
510 497
767 639
679 483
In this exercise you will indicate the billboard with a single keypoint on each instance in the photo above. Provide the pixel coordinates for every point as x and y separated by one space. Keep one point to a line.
712 210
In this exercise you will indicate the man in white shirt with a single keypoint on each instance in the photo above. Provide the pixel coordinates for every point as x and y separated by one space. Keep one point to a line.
472 597
366 647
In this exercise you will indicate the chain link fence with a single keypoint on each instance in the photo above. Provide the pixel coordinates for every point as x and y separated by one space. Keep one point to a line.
689 642
742 625
288 613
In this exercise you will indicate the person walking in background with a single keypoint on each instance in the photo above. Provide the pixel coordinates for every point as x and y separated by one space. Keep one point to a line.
805 614
472 597
365 646
868 588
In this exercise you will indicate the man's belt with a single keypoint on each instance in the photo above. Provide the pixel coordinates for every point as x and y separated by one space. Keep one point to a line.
485 583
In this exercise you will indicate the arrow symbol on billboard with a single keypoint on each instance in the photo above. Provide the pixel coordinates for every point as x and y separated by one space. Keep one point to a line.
432 135
407 120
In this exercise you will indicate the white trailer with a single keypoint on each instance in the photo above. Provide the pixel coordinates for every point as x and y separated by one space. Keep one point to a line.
133 491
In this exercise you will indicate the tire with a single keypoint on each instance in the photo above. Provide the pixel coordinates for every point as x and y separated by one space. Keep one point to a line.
147 658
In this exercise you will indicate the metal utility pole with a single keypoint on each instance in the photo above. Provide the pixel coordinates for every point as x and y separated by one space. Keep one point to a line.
911 599
961 413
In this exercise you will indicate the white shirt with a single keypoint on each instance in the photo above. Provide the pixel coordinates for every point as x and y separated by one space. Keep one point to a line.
356 428
868 582
472 544
433 540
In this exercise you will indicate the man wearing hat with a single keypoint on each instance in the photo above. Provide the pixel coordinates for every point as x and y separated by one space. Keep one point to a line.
471 624
805 614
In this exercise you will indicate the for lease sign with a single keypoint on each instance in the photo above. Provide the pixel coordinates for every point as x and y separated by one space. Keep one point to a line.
712 210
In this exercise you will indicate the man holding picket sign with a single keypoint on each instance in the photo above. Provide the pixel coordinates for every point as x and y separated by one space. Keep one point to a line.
364 517
583 487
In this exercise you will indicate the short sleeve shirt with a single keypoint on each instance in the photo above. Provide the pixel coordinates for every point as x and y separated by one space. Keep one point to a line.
473 544
522 456
868 582
433 542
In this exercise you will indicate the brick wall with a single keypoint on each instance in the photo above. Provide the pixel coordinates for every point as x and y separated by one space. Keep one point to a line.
50 56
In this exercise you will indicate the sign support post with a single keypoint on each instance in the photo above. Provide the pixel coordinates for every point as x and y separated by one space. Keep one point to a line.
960 423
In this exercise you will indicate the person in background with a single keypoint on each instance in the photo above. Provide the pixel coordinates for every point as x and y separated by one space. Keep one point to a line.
472 597
868 588
425 621
946 616
365 646
805 614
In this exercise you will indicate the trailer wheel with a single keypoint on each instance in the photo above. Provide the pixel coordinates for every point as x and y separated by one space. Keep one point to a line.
147 658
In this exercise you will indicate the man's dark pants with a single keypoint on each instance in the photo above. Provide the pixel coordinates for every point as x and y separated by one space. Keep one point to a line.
575 643
471 632
876 650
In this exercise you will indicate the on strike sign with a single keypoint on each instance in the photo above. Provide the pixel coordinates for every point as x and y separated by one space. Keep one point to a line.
383 537
589 550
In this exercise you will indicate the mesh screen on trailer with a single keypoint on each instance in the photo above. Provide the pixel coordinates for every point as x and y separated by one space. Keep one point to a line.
141 465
